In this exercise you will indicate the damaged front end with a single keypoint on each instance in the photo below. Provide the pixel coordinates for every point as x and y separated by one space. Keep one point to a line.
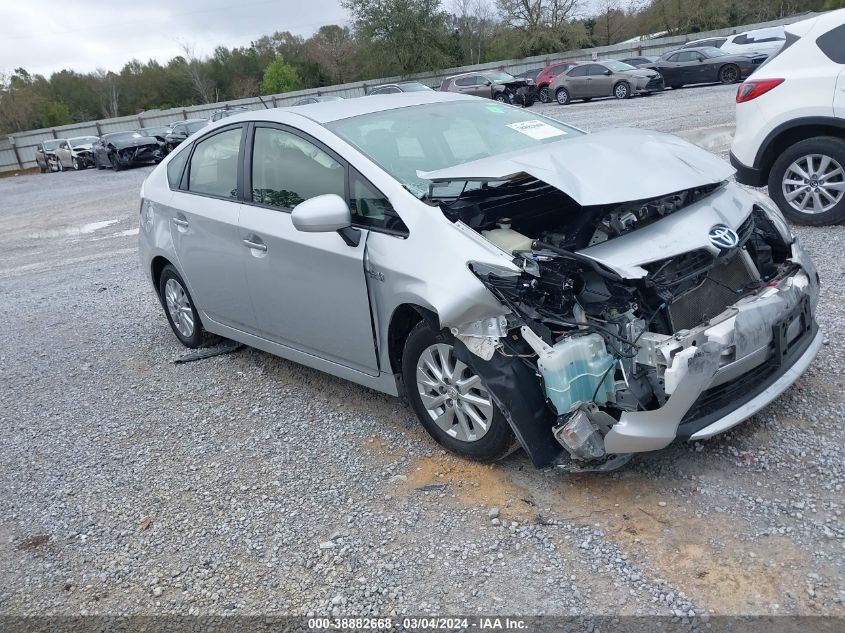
134 154
631 324
521 92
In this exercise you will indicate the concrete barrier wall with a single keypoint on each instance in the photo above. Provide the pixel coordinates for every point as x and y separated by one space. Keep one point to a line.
18 151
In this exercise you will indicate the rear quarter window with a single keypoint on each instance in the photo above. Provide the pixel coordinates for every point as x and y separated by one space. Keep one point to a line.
832 44
176 166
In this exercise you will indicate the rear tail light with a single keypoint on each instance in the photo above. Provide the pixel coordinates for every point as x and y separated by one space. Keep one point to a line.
753 88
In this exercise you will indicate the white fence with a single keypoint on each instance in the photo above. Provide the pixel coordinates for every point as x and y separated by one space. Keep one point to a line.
19 150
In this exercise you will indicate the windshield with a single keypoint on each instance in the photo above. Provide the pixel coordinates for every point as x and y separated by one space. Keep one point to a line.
81 140
499 77
154 131
438 135
617 66
712 52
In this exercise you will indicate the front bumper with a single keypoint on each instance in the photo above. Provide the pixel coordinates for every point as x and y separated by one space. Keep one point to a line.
735 367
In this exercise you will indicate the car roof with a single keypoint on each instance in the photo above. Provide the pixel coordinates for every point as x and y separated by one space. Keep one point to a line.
327 111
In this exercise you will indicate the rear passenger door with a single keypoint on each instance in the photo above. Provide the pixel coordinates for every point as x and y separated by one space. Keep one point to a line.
204 213
309 290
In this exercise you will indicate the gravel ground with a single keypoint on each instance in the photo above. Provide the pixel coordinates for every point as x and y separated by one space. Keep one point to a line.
248 484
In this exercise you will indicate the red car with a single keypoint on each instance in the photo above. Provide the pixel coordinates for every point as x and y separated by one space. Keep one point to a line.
547 76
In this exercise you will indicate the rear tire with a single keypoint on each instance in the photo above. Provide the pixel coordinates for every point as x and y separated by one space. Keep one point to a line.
562 96
785 179
180 309
458 404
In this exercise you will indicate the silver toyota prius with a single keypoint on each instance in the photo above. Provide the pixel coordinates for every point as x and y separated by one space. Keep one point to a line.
523 283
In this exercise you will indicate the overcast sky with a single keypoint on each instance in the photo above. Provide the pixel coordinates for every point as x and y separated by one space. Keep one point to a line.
44 36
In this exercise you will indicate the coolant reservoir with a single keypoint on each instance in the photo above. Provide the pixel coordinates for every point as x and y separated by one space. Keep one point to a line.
576 368
507 239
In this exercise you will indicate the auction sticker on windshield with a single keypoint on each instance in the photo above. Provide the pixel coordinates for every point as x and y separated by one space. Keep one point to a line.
536 129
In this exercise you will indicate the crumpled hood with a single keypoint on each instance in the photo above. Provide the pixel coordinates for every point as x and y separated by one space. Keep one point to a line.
608 167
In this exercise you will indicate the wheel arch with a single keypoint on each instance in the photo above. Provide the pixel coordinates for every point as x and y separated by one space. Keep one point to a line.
787 134
156 267
405 318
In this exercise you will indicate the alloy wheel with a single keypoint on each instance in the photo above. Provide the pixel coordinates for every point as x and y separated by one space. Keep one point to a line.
729 74
814 183
75 163
179 307
453 395
544 94
621 91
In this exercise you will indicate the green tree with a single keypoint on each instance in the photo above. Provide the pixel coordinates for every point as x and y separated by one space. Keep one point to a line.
279 77
404 36
55 113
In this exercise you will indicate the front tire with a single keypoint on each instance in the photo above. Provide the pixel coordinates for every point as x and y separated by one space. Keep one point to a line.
450 400
115 163
75 163
729 74
622 90
562 96
807 181
500 97
180 309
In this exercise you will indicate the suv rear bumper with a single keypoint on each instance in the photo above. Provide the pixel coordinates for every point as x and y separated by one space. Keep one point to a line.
752 176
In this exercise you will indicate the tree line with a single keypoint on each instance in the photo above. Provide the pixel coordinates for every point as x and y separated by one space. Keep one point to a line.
385 38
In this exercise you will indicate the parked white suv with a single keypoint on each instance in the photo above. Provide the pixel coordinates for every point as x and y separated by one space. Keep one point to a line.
767 41
790 123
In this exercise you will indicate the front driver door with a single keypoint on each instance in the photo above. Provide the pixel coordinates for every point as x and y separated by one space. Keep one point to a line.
599 82
308 289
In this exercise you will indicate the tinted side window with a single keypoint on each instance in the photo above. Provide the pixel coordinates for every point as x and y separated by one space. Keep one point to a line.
465 81
176 166
193 127
287 169
370 208
674 58
741 39
214 165
832 44
596 69
577 71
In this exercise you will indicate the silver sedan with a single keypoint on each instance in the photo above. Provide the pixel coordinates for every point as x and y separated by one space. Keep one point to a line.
521 282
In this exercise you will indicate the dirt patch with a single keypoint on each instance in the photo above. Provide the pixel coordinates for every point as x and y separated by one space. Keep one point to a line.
472 484
704 556
34 541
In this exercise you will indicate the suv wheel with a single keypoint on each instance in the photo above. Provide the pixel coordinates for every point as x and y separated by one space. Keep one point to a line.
450 400
807 181
562 96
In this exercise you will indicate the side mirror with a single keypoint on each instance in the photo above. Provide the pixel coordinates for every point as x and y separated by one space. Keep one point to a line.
321 214
607 72
488 83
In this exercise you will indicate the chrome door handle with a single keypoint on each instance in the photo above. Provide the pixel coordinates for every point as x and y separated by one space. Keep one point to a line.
182 223
259 246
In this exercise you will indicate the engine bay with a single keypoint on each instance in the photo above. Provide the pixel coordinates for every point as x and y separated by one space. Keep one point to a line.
600 343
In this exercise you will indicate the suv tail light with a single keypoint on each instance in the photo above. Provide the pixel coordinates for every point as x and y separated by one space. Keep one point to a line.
753 88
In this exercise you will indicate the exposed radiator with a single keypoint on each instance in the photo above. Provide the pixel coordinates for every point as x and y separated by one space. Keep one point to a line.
724 285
